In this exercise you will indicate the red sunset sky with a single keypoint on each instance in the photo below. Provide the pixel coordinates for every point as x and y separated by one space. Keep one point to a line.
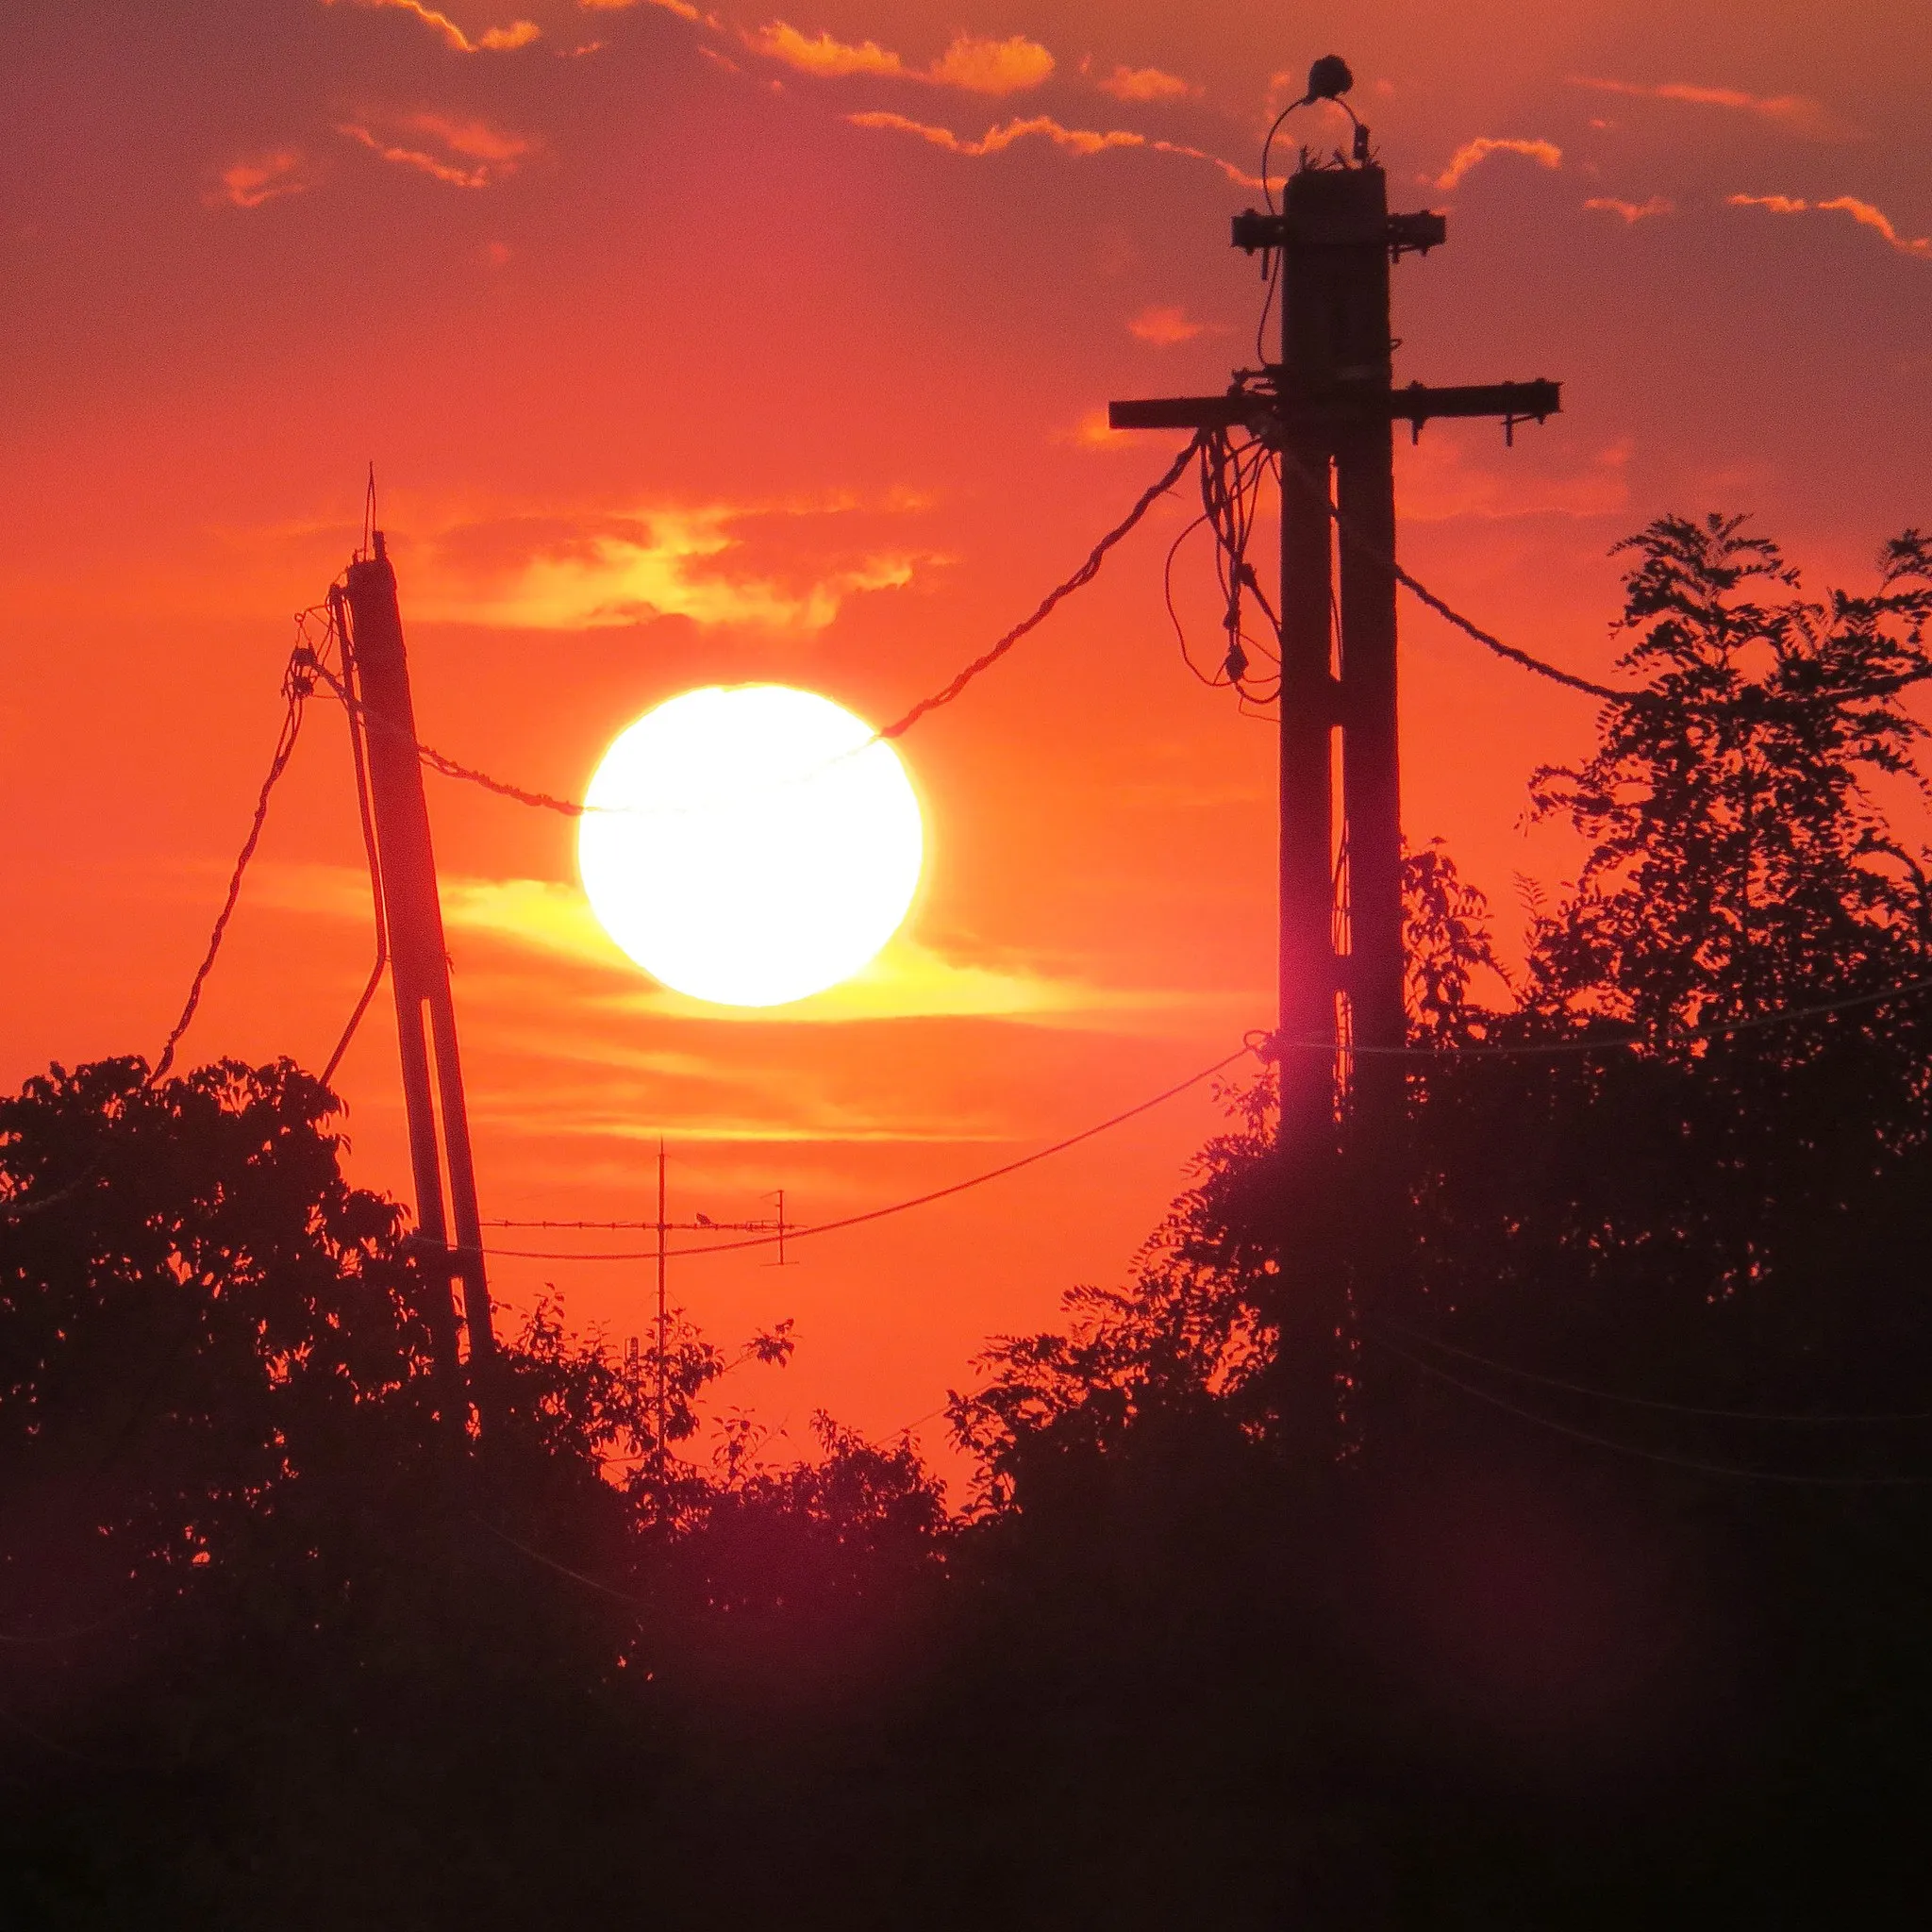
693 347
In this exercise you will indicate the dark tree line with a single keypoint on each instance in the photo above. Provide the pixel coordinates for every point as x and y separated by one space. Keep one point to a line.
1610 1598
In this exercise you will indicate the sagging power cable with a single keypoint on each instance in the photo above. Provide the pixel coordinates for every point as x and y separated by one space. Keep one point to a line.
1674 1036
1080 579
1697 1465
295 690
978 1180
1790 1417
366 814
447 767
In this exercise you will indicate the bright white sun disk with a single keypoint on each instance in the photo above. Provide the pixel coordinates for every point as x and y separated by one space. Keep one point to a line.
750 845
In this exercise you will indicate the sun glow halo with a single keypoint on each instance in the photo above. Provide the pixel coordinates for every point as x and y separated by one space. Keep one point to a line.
750 845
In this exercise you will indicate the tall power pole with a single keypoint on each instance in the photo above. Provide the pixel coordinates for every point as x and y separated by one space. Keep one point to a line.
1329 406
378 671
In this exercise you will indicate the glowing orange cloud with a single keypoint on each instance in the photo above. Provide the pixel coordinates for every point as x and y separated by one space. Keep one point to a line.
973 64
1165 327
1471 153
666 562
1794 111
992 67
1860 211
259 178
495 40
683 8
1630 213
492 152
1144 84
1079 140
1076 140
825 56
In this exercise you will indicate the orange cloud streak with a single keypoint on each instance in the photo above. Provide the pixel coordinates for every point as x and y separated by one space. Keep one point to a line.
493 151
1077 141
259 178
1794 111
1144 84
1631 212
495 40
1166 327
1471 153
1860 211
970 63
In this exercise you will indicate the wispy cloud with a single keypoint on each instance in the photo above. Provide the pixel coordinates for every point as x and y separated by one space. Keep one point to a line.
991 67
259 178
972 64
1860 211
1076 140
1166 325
1437 483
1471 153
1145 84
1631 212
683 8
619 570
1796 114
495 40
466 154
552 919
1094 431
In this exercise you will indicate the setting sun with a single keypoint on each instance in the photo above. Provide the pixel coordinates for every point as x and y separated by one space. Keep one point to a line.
750 846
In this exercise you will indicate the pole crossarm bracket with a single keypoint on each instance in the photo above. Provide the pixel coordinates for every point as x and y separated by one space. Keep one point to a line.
1404 234
1415 404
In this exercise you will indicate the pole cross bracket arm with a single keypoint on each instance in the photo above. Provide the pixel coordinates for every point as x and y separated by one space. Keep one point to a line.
1404 234
1515 402
1416 404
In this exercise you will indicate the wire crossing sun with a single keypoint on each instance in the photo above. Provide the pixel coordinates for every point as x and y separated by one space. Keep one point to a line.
750 845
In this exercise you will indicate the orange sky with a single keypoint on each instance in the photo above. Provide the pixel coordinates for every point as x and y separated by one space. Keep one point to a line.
697 347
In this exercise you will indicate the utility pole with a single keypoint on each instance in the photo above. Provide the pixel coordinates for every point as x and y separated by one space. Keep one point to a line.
663 1304
664 1226
375 665
1329 406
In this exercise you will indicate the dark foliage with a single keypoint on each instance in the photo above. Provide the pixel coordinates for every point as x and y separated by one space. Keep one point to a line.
1606 1603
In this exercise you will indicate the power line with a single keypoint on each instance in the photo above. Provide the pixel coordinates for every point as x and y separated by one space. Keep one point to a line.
449 768
295 689
1080 579
367 816
1740 1472
1515 656
898 1207
440 762
1677 1036
1738 1415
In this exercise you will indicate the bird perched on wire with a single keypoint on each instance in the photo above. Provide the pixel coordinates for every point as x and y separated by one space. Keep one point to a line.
1328 79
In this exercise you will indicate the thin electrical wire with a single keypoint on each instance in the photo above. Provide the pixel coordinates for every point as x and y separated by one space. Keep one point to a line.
1275 270
1736 1470
978 1180
369 846
536 1556
447 767
1084 576
1350 534
1679 1035
285 747
1738 1415
1215 682
18 1209
440 762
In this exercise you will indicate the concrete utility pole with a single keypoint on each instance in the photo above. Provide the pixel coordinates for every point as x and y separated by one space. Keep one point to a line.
1329 406
368 621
